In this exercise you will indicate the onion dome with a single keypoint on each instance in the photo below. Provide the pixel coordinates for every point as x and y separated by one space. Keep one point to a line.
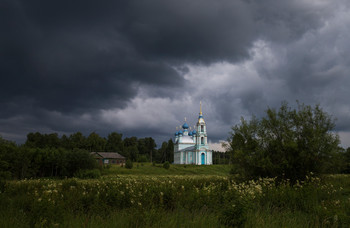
190 134
176 133
194 132
180 132
185 126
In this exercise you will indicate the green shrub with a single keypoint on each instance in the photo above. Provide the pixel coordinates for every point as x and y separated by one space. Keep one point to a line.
128 164
88 173
142 158
166 165
233 212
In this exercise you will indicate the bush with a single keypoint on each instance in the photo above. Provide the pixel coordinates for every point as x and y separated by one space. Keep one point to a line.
166 165
233 212
88 174
128 164
142 158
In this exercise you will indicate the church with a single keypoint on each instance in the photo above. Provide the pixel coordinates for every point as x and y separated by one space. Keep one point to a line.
191 147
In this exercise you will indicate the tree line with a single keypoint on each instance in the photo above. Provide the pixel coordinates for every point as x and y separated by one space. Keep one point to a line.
48 155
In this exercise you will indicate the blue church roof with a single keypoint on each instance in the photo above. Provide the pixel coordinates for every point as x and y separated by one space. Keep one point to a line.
190 134
180 132
194 132
185 126
176 133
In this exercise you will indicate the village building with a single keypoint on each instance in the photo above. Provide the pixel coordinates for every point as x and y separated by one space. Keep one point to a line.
191 147
109 158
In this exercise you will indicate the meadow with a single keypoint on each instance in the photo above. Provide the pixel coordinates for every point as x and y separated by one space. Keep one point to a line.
182 196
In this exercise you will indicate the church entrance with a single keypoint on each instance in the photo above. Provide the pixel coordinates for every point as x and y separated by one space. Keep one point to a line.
203 159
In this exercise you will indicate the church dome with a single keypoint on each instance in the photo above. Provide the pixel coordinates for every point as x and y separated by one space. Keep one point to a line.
180 132
194 132
185 126
176 133
190 134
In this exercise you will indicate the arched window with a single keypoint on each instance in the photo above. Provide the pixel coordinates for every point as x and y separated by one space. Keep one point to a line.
202 140
202 128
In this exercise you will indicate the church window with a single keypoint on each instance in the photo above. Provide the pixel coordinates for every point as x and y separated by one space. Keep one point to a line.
202 140
202 128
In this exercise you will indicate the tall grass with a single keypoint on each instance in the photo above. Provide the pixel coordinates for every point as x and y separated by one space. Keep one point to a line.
158 169
175 201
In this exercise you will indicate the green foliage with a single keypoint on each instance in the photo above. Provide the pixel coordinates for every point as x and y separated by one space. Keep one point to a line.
147 169
128 164
233 211
142 158
221 157
26 162
288 143
346 160
88 174
48 155
166 165
96 143
185 201
115 142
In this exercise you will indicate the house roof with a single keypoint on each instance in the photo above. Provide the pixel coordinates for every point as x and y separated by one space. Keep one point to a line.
109 155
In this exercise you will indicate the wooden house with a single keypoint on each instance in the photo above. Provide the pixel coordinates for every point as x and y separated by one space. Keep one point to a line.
109 158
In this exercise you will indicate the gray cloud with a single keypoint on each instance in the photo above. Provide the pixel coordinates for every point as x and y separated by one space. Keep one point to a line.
139 67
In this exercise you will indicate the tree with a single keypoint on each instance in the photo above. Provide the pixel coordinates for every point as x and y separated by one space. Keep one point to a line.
346 158
78 140
114 142
150 147
95 142
170 151
287 144
160 156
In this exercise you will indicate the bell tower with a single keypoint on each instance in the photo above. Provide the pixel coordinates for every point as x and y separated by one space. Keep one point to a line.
201 140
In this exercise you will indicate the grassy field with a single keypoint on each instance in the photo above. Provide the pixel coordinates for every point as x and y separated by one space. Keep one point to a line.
191 196
150 169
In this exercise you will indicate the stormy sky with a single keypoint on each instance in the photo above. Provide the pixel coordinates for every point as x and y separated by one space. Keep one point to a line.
139 67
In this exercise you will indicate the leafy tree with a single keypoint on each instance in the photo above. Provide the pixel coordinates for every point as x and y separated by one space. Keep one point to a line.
78 140
131 152
95 142
288 143
115 142
160 156
170 151
52 140
221 157
79 160
65 142
150 147
346 159
34 140
132 141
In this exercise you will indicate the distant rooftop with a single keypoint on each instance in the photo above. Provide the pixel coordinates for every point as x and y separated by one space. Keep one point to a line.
109 154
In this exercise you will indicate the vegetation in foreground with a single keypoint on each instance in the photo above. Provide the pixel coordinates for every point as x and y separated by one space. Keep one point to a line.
173 201
159 169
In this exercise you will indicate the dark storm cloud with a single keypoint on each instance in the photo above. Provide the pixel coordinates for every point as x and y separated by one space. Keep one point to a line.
62 62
